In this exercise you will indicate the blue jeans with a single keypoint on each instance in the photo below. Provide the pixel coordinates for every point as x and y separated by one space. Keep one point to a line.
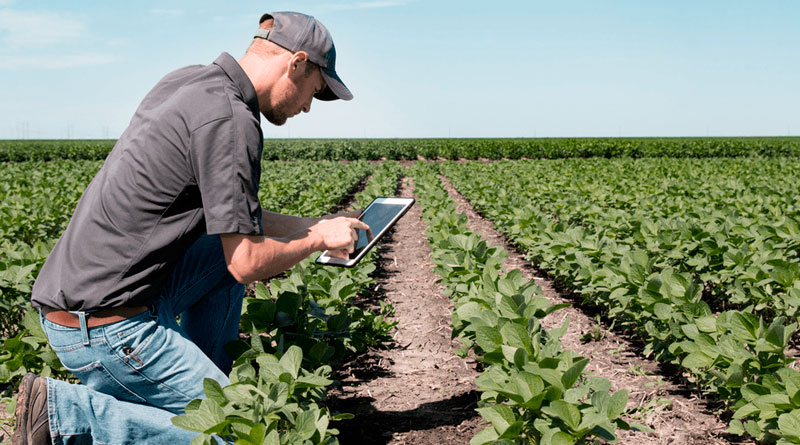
138 373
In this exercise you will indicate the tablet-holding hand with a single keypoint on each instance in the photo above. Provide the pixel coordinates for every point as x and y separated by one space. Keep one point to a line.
338 235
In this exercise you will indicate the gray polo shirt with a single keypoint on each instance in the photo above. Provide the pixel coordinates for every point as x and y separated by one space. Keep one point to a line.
188 163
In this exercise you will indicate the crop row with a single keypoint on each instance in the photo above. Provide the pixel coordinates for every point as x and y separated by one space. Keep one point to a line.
299 328
354 149
651 243
533 391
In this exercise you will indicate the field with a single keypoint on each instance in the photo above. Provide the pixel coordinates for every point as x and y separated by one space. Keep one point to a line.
545 291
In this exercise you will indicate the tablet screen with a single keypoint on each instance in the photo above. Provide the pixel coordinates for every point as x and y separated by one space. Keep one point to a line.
377 218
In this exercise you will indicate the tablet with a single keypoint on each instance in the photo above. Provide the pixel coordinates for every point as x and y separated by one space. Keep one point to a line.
380 215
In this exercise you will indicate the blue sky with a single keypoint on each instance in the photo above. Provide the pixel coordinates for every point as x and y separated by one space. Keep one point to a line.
427 68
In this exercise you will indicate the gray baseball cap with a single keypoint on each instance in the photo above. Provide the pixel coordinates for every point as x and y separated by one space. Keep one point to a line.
299 32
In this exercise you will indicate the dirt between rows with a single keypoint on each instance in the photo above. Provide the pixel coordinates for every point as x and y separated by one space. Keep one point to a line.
6 428
418 392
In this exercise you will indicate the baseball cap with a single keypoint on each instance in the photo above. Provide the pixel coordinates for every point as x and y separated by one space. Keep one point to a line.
299 32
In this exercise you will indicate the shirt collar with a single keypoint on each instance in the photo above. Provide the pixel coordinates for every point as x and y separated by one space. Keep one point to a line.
231 67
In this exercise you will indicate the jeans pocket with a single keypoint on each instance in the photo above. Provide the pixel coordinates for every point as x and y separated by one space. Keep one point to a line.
132 339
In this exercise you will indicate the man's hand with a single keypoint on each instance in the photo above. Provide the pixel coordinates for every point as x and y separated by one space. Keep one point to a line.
338 235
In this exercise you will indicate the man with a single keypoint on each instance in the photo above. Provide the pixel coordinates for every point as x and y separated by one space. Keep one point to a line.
171 226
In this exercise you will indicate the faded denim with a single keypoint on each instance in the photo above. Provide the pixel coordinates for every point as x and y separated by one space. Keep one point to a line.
138 373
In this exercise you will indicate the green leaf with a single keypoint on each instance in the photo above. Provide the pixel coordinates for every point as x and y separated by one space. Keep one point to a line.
277 397
556 437
744 326
321 424
509 353
194 405
493 379
791 380
33 324
736 427
213 391
517 336
321 353
783 275
191 422
640 427
617 404
291 360
261 291
706 324
697 360
273 438
468 310
775 335
605 430
488 338
313 380
513 431
753 428
751 391
772 402
573 373
601 401
520 358
663 311
691 331
206 419
746 410
500 416
591 420
305 423
484 436
789 423
564 411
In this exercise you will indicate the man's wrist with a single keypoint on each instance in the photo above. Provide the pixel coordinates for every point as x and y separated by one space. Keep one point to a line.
316 241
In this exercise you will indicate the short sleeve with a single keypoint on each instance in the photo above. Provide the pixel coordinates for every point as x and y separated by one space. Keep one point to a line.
227 168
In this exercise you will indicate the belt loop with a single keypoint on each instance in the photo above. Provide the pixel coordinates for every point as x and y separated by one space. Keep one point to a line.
84 329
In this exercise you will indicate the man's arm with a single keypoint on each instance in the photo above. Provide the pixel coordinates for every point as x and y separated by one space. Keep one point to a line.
251 258
278 225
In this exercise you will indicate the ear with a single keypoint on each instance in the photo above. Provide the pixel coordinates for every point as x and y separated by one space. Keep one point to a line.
297 63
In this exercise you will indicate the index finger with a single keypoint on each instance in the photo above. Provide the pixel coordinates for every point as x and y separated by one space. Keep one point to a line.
358 224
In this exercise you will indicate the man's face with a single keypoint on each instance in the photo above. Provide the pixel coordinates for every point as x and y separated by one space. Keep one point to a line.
293 94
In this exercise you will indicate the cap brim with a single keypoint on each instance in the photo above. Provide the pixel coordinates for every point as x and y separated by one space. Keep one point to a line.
335 89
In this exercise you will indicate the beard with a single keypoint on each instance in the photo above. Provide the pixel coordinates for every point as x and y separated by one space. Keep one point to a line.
276 116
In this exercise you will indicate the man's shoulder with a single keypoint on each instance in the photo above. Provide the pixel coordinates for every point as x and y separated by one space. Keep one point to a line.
200 93
204 96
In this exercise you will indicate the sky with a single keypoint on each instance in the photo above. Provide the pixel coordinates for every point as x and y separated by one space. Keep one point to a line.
426 68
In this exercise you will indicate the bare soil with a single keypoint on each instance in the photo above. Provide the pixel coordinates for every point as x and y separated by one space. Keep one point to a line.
6 424
660 401
418 392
